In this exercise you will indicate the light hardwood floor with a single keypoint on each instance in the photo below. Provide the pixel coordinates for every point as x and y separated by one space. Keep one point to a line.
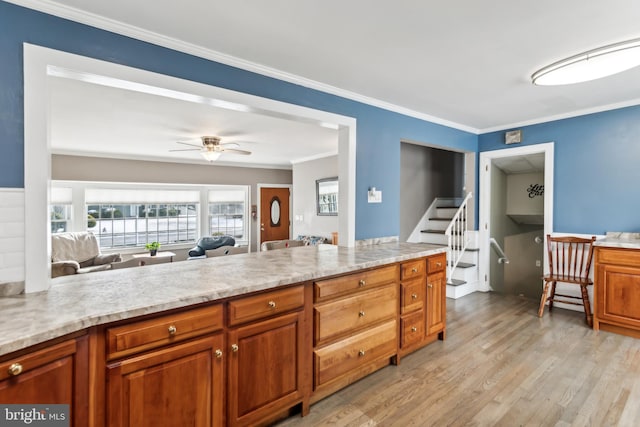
501 365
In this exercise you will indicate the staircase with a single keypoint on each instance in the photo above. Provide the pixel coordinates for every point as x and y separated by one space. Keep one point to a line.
444 224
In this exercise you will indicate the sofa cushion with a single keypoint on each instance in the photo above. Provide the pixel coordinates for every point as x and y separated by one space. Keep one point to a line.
78 246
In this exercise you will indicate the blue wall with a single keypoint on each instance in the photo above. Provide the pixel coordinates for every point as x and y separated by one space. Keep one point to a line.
378 131
596 169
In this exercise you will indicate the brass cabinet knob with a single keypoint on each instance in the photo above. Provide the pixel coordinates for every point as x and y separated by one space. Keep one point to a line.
429 285
438 264
414 296
15 369
172 330
218 354
414 329
361 314
361 283
414 270
272 304
234 348
361 353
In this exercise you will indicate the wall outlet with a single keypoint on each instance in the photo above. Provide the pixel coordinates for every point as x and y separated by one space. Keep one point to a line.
538 264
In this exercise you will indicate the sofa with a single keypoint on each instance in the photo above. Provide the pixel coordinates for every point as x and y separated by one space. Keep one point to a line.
77 253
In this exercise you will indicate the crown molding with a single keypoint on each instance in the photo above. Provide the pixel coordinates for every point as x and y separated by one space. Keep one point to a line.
97 21
569 115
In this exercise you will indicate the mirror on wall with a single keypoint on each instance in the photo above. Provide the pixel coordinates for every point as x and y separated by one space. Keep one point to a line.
327 196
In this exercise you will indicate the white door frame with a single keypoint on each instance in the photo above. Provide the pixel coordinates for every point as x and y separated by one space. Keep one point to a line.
484 225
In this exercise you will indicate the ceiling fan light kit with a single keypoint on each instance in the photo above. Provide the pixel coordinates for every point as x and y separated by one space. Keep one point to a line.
212 149
591 65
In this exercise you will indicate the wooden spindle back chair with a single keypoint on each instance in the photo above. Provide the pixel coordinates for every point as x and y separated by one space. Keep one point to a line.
569 262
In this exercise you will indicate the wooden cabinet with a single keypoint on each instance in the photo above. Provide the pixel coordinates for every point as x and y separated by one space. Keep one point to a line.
422 302
56 374
617 290
179 385
267 357
167 377
355 319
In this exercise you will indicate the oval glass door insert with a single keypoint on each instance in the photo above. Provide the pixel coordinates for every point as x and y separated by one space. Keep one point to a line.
275 212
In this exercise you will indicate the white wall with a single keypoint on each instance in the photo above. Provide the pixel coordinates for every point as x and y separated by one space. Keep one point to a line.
12 225
305 219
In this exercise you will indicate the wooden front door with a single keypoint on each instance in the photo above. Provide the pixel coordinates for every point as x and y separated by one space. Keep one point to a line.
274 214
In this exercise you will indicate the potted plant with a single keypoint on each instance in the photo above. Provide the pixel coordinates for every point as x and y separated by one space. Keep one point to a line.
152 248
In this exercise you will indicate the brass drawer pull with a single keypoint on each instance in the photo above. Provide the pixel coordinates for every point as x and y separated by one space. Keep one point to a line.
438 264
15 369
172 330
361 353
218 354
414 329
361 314
414 296
429 285
361 283
414 270
234 348
272 304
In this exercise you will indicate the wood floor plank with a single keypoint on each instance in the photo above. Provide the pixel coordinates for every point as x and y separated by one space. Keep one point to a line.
501 365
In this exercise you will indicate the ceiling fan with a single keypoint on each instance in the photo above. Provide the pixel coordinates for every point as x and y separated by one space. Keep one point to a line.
212 148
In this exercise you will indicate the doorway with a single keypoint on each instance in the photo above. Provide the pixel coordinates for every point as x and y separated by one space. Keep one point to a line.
516 206
274 213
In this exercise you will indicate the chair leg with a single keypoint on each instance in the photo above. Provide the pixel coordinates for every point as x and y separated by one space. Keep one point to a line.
552 296
587 306
543 299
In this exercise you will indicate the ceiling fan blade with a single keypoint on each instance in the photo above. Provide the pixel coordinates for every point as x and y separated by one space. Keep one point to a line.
229 144
234 151
191 145
187 149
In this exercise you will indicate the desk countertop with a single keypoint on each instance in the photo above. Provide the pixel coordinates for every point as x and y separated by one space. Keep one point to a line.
77 302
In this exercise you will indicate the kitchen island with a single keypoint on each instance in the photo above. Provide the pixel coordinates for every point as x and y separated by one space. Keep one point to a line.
210 327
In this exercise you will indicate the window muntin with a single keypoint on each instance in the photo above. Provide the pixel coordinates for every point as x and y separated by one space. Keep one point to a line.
60 215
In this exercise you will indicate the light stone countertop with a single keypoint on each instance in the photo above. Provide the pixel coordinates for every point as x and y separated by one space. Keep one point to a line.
620 240
77 302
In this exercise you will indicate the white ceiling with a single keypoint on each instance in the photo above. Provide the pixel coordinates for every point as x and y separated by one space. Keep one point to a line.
462 63
521 164
100 120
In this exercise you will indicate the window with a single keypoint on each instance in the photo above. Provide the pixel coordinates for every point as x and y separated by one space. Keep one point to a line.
60 209
127 215
120 225
227 213
132 217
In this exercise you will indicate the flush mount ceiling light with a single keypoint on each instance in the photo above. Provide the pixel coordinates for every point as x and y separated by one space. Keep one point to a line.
590 65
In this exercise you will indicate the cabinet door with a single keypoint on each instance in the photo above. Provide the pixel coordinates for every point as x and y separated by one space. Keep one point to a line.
618 294
265 367
53 375
436 303
181 385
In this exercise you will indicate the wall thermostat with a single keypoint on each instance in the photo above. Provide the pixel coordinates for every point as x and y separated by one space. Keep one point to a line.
513 137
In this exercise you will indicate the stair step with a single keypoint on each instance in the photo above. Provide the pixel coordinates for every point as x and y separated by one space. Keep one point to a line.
465 265
433 231
456 282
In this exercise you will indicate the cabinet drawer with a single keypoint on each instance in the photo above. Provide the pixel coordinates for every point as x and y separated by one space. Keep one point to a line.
630 257
368 346
349 314
411 328
326 289
147 334
412 295
264 305
412 269
436 263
